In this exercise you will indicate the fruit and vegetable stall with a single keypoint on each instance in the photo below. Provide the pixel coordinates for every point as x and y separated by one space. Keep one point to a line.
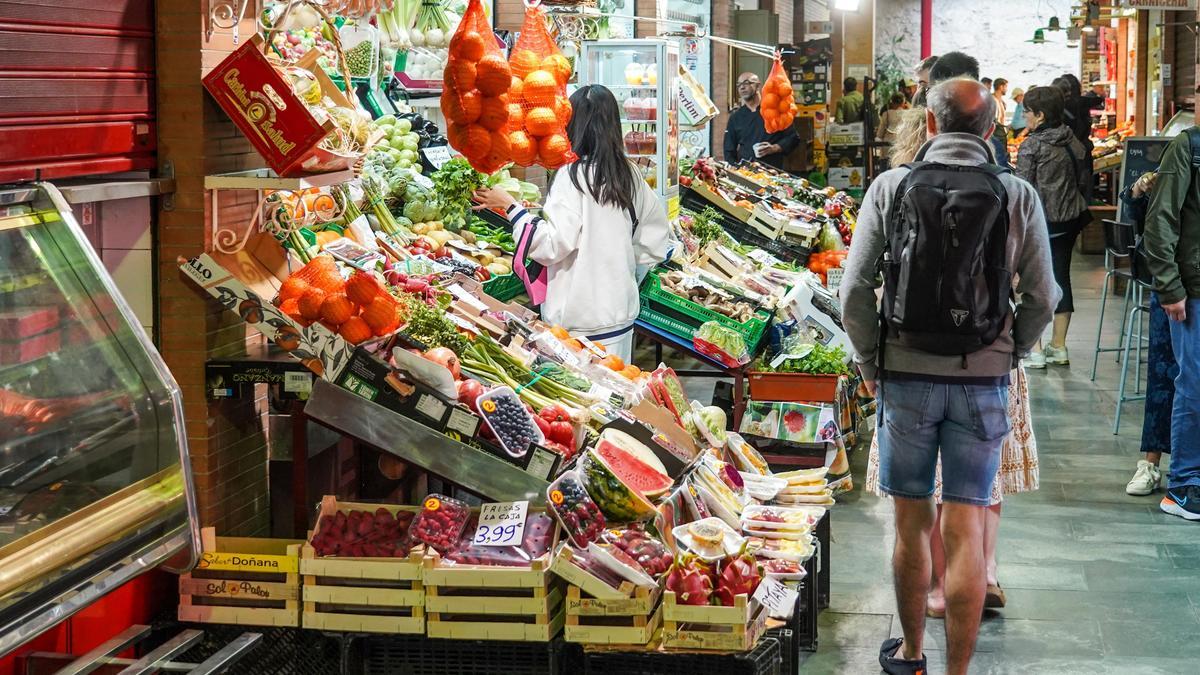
564 494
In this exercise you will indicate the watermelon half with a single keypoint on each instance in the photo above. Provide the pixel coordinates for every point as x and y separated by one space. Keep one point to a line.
646 478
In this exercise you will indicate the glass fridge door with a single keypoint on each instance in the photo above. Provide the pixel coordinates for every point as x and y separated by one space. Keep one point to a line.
94 472
631 70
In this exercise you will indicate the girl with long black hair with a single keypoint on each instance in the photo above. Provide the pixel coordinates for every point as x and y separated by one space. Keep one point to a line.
602 225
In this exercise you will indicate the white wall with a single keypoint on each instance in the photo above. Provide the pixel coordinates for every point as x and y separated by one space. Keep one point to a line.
993 32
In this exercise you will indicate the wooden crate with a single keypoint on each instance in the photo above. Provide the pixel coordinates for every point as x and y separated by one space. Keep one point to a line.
362 595
481 602
243 581
733 629
631 621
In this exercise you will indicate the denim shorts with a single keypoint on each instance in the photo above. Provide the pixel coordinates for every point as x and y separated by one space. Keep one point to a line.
966 422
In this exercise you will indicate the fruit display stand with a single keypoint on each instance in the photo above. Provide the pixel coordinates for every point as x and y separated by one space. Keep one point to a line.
599 614
243 581
764 659
704 627
362 594
478 602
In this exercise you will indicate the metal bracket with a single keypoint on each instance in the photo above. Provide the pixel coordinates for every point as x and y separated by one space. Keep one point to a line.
221 15
168 199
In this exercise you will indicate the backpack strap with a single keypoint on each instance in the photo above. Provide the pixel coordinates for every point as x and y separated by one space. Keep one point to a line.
1193 133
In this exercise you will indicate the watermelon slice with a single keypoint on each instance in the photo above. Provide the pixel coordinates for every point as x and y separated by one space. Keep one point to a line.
632 471
634 447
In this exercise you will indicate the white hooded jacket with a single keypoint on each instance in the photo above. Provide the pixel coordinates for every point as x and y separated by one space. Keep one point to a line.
592 254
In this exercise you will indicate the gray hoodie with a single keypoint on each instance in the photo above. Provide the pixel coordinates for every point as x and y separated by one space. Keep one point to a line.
1028 257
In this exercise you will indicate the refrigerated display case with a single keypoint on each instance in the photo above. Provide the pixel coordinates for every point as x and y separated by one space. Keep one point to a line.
642 74
95 482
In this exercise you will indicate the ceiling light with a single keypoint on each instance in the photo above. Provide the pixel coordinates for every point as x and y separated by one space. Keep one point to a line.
1039 37
1054 24
1088 29
846 5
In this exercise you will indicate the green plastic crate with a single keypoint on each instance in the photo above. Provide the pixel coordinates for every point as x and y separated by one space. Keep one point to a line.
681 317
504 287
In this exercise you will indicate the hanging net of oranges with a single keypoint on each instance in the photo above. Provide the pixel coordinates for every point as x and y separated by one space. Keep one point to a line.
539 110
778 102
475 94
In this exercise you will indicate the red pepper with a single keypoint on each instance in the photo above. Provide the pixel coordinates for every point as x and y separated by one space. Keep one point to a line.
562 432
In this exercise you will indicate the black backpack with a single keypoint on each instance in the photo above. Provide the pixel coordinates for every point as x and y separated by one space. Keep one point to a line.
946 282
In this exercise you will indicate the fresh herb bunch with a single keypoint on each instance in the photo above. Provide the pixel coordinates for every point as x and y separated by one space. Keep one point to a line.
430 326
454 183
820 361
706 227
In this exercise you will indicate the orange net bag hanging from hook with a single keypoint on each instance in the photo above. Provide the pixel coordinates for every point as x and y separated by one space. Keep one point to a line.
539 109
778 106
475 94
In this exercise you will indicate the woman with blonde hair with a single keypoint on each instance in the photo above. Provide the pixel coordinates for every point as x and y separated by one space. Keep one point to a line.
1018 461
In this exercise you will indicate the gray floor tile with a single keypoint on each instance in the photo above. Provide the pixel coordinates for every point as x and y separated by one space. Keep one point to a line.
837 629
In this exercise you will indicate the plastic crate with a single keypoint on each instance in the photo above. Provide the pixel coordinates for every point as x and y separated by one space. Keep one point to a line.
793 387
681 317
765 659
504 287
416 655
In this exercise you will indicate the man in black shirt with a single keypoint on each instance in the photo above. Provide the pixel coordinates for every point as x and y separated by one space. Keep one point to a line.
746 137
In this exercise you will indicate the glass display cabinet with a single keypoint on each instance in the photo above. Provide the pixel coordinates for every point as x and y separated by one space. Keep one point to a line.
642 76
95 482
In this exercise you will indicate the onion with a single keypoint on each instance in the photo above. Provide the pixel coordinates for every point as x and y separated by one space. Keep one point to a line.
434 37
446 358
417 38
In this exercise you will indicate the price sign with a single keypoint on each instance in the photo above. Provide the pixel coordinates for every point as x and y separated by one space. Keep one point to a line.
501 524
437 155
779 600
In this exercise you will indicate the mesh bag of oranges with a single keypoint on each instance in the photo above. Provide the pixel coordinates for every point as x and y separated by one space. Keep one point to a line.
778 103
475 95
539 110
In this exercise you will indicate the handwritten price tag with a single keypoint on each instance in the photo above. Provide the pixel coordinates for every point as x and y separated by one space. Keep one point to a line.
779 600
501 524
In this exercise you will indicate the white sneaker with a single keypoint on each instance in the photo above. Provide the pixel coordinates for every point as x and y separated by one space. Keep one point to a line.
1056 356
1145 480
1035 360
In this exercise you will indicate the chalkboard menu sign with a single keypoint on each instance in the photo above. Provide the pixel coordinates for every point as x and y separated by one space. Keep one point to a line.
1142 154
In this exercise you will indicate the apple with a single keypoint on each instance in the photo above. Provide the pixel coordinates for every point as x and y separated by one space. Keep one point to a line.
403 125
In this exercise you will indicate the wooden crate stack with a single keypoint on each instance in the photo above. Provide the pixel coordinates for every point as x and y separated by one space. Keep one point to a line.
477 602
692 627
627 617
362 595
243 581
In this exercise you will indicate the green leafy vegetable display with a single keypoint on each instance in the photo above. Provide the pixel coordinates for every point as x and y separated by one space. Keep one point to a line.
430 325
454 183
706 228
821 360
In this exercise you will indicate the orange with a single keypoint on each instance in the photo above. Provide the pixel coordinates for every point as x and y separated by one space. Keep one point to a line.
355 330
460 75
293 287
632 372
559 332
516 116
457 135
467 45
337 308
514 89
500 153
560 66
310 303
562 111
553 150
541 122
479 142
493 113
524 149
785 106
770 99
492 75
523 62
613 362
464 108
540 88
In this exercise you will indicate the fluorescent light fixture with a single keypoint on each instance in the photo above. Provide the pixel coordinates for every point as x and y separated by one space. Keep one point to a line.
846 5
1089 28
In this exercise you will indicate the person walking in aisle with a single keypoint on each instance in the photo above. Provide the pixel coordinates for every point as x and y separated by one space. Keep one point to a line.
889 122
603 226
1078 108
999 137
746 137
850 106
1050 160
935 403
1018 115
1161 369
1173 256
922 71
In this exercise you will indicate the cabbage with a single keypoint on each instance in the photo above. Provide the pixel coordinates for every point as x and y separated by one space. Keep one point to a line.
713 418
415 211
530 193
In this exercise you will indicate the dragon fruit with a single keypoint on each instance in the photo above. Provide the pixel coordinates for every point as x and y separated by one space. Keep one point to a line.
691 580
739 574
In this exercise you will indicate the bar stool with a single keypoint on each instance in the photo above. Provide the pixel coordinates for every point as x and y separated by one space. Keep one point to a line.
1134 323
1119 241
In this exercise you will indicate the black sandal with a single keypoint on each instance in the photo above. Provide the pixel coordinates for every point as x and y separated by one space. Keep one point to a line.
897 666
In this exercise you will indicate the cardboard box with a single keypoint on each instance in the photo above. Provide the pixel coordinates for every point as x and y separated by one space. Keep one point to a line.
372 379
845 134
847 178
277 122
695 107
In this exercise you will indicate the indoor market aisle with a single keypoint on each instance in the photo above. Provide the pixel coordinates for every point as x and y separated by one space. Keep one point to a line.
1097 581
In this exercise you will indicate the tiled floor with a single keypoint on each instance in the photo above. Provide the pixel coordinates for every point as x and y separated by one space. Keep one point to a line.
1097 581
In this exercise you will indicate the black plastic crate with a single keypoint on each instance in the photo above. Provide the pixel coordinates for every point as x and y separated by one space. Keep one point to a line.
419 655
765 659
804 620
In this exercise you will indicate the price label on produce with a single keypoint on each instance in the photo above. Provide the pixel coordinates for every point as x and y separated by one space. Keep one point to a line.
501 524
779 600
437 155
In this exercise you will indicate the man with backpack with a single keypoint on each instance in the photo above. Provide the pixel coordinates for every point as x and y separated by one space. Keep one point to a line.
945 235
1172 243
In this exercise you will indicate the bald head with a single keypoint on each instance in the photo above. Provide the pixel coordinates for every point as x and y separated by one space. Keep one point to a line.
961 105
747 86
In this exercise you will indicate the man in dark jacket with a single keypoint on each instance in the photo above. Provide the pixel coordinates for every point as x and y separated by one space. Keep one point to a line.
746 137
1173 255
